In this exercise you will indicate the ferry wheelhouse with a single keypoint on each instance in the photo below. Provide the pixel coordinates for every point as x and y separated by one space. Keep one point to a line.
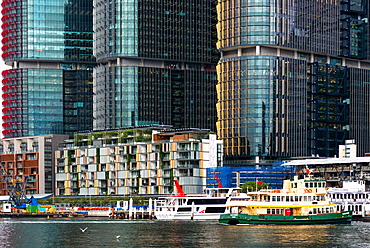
301 201
208 206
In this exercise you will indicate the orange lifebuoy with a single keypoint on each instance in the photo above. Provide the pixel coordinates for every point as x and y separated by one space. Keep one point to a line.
308 190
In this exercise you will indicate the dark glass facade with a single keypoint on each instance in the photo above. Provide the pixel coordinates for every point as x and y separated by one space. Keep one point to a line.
49 46
156 64
292 78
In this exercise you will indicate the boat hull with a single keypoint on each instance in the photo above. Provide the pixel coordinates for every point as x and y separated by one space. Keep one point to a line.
177 216
336 218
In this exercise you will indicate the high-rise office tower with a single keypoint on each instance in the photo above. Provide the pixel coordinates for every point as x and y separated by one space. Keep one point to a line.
293 78
156 63
49 46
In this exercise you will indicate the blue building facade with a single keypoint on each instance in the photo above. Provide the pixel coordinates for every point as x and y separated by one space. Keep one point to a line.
230 176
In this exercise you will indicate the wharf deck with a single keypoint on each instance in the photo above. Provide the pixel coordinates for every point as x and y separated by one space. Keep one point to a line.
32 215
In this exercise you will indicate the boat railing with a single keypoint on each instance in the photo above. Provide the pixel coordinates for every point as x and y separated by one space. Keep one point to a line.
270 191
164 203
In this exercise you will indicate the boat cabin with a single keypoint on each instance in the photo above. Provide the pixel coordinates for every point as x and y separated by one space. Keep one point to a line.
352 196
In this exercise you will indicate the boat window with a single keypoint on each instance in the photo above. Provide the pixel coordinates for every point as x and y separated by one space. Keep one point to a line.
278 198
319 185
291 198
306 185
282 198
268 198
268 211
327 210
309 198
273 211
305 198
287 198
215 210
311 185
273 198
300 198
315 185
296 198
184 210
356 207
207 201
360 208
314 211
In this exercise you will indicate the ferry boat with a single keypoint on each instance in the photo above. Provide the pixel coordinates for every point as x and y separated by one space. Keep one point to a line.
353 196
208 206
301 201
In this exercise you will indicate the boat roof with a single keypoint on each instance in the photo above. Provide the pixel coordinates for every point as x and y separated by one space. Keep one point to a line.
329 161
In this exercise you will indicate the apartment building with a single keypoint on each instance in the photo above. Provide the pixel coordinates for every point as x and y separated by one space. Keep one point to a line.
143 161
30 160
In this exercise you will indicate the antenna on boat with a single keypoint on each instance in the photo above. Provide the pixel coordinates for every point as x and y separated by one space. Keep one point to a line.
219 184
180 192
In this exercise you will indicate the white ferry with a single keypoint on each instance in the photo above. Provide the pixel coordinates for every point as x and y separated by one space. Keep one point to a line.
208 206
352 196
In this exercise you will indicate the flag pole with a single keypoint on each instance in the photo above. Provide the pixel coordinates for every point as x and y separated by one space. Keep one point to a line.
256 183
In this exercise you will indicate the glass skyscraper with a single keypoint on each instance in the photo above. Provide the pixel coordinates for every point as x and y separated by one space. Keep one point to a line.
49 45
156 63
293 78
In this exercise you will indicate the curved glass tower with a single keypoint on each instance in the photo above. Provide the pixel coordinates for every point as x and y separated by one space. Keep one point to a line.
156 63
49 46
291 78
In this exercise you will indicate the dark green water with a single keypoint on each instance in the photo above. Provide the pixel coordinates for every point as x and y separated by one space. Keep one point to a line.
145 233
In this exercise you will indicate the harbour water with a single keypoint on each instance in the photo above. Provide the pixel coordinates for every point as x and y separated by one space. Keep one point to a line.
153 233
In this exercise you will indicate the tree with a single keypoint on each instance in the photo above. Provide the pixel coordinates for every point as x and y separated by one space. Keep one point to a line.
251 186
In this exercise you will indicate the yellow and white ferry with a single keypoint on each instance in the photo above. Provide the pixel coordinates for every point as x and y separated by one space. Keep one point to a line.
301 201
